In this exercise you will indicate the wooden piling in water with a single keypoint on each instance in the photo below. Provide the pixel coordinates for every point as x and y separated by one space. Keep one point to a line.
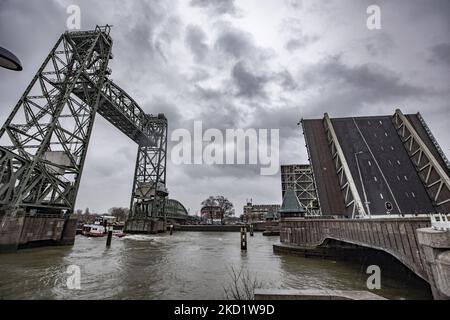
243 238
108 239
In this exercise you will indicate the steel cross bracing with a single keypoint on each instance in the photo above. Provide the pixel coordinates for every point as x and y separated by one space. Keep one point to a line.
45 138
433 175
346 182
149 185
300 179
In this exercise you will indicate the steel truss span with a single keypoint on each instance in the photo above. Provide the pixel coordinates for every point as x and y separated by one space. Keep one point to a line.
44 141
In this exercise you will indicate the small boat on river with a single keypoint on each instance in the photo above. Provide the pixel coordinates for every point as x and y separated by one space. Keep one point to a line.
93 230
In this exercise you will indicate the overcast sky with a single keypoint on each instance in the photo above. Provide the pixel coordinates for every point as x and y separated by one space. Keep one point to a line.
241 64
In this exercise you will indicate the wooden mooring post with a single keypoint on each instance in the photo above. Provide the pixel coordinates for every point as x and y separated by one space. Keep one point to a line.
108 239
243 238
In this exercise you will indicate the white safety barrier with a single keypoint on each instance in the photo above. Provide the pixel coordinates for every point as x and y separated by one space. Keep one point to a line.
442 223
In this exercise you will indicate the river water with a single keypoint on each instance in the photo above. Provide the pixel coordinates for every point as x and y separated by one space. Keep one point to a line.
186 265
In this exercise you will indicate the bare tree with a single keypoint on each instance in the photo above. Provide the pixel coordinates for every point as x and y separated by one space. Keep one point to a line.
210 202
79 215
120 213
226 207
242 284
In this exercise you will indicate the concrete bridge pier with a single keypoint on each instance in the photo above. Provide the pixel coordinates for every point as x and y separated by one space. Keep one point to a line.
435 245
144 226
22 230
422 249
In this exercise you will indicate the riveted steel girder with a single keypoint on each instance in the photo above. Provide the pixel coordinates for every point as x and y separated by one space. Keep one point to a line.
45 138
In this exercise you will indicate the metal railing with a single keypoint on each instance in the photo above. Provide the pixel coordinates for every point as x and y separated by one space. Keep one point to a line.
440 222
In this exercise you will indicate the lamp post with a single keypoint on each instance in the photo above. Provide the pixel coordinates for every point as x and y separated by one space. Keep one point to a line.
9 61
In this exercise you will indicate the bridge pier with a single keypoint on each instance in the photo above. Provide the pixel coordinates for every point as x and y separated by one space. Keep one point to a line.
144 225
435 245
10 230
22 231
423 250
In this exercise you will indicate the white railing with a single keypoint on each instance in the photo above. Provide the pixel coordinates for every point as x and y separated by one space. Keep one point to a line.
441 223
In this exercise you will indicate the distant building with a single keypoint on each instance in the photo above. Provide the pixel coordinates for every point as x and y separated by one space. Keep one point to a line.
260 212
231 220
300 179
211 213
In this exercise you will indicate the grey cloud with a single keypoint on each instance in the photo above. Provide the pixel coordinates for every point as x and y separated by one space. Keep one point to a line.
379 44
249 84
285 119
295 4
372 81
196 41
209 94
286 80
300 41
440 54
216 6
294 29
220 114
235 43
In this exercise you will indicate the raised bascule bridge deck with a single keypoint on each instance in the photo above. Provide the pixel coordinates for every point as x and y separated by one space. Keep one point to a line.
378 179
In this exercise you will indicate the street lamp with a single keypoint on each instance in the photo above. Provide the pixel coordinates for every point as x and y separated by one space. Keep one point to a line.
362 182
9 61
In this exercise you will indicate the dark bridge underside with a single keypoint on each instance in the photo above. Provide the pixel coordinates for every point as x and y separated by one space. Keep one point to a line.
396 237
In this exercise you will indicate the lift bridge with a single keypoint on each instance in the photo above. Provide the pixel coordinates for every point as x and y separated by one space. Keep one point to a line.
45 139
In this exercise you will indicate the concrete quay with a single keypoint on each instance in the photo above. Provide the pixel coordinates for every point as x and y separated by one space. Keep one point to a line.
288 294
24 231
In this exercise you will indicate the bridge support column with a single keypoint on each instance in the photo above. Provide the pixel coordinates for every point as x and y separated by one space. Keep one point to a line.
21 231
10 231
435 246
144 226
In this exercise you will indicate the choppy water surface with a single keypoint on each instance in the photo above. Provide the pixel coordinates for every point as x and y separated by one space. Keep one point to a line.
186 265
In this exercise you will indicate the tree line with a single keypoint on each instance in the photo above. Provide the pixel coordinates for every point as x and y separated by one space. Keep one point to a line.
120 213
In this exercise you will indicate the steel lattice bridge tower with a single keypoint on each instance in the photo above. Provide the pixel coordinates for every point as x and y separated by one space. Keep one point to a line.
44 141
